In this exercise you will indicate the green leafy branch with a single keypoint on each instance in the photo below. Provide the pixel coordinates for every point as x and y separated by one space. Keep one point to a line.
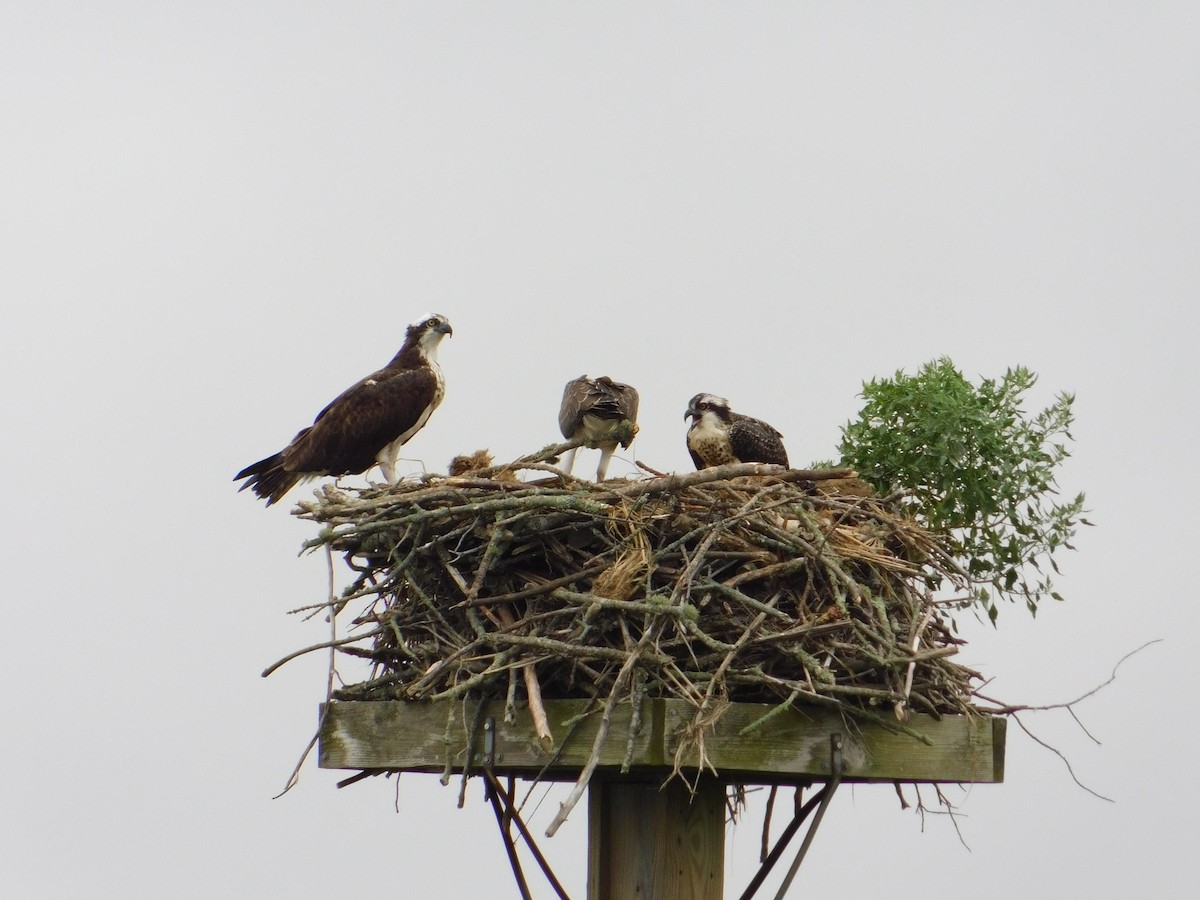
977 469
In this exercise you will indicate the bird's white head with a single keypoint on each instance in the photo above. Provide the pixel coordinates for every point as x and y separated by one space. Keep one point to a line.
428 332
707 406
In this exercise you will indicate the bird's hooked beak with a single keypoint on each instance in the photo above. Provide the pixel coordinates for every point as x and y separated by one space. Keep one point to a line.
445 329
692 412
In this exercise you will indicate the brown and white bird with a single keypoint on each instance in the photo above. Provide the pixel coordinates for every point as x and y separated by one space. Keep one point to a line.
718 435
366 424
591 408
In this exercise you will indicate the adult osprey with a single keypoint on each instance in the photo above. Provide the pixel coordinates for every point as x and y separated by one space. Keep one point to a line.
366 424
591 409
718 435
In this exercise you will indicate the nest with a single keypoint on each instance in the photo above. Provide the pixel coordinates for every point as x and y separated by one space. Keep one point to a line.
739 583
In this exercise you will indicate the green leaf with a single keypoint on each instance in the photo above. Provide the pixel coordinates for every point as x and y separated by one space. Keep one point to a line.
979 469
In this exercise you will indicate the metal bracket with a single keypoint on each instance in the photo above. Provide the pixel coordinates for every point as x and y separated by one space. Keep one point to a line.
489 743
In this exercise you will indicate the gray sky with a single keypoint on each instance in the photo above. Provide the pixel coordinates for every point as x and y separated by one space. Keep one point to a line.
214 219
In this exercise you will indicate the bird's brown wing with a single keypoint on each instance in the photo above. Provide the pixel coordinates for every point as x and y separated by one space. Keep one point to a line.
753 440
349 432
602 398
574 405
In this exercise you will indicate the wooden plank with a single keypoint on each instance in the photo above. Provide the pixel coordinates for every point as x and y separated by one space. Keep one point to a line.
647 839
790 746
425 737
999 738
960 749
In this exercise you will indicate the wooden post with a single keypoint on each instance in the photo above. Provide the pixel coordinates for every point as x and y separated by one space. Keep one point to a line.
649 840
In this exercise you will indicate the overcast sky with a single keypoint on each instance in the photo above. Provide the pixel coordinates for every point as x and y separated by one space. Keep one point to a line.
215 218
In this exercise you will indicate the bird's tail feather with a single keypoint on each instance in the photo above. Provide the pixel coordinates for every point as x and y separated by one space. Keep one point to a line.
268 478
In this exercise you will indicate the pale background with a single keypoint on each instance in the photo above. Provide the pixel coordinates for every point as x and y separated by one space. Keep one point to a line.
213 218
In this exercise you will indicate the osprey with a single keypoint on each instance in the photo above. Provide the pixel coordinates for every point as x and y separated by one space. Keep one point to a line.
591 409
366 424
718 435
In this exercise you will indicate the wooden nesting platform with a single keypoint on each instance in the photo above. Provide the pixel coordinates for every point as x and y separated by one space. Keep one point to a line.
741 625
788 747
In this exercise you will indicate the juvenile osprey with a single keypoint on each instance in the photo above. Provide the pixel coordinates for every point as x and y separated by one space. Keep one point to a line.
367 423
591 408
718 435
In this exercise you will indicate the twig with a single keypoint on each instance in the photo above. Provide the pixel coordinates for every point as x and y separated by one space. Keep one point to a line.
541 725
294 778
901 712
585 776
546 588
1066 762
1009 709
323 645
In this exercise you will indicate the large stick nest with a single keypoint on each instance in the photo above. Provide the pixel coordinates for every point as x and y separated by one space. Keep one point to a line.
744 583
